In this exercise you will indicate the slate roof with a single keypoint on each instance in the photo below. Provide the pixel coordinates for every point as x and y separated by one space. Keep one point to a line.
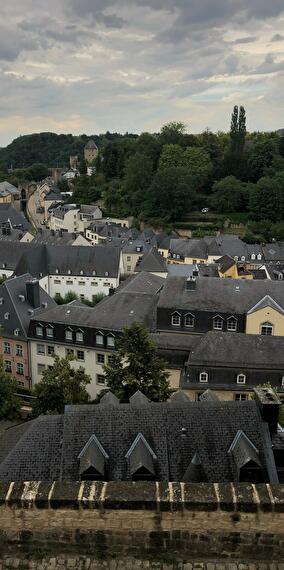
239 349
53 195
11 254
60 211
91 144
7 188
47 259
175 432
189 248
14 302
273 251
225 262
152 262
134 301
47 237
225 295
9 212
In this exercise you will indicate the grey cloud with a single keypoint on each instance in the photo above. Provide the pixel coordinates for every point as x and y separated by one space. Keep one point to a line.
270 66
247 40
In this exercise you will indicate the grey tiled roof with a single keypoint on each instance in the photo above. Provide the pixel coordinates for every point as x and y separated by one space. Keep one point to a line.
9 212
152 262
239 349
175 433
226 295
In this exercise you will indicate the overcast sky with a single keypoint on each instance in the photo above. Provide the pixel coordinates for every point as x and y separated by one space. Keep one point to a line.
95 65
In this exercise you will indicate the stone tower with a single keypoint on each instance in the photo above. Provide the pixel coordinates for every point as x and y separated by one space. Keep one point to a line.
90 151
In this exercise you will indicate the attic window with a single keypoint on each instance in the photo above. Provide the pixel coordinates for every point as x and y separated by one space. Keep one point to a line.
176 320
49 331
259 257
141 460
39 330
232 324
106 274
99 339
21 298
56 270
4 265
69 271
16 332
6 316
266 329
189 320
1 301
110 341
81 272
241 379
243 258
203 377
218 323
93 459
94 273
253 256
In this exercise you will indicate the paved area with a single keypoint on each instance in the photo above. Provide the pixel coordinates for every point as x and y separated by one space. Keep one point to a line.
34 217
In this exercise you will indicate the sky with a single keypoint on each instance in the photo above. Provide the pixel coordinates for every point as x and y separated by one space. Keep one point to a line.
88 66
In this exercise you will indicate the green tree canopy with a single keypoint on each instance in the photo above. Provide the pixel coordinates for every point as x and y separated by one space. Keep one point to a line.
228 195
198 163
137 179
173 133
60 386
171 193
171 156
136 366
9 403
267 200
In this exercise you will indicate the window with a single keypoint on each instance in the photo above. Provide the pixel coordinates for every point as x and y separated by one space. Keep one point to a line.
266 329
282 382
50 350
7 348
80 355
8 365
99 339
100 379
253 256
240 397
94 283
203 377
40 349
81 282
69 282
57 281
49 332
259 256
176 320
100 358
110 341
39 331
69 352
17 332
189 321
241 379
82 297
243 258
7 316
40 368
128 258
68 334
218 323
128 268
232 324
79 336
20 368
236 258
111 359
19 350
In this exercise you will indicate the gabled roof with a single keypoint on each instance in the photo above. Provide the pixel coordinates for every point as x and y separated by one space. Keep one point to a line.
109 399
93 456
180 397
152 262
225 262
195 472
91 144
141 455
208 396
267 301
243 451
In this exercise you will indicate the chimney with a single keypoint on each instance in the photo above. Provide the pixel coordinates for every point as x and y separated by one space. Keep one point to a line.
190 284
33 296
269 405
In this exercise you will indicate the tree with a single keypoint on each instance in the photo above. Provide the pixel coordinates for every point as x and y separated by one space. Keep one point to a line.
171 193
228 195
136 366
173 133
260 158
9 403
60 386
198 164
238 130
266 199
172 155
137 179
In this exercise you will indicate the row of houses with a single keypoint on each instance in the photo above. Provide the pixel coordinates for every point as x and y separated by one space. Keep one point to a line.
210 334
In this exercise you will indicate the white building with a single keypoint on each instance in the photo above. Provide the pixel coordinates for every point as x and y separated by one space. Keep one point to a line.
72 218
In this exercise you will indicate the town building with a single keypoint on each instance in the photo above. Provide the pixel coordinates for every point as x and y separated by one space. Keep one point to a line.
179 440
20 299
91 151
9 194
72 218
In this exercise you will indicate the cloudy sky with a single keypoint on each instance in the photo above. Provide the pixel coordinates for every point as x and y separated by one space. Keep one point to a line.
132 65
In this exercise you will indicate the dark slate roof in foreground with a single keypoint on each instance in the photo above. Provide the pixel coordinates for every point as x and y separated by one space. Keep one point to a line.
153 262
174 432
239 349
226 295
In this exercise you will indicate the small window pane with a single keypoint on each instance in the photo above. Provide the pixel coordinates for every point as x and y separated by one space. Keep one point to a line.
217 323
39 331
110 341
266 329
68 335
99 339
176 320
203 377
79 336
40 349
80 355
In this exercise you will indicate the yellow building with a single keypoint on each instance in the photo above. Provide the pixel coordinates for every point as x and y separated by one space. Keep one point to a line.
266 318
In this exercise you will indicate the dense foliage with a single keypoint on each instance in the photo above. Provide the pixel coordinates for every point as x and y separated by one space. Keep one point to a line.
61 385
9 403
136 366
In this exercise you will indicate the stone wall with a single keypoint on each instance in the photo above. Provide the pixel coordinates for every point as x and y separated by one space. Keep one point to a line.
175 521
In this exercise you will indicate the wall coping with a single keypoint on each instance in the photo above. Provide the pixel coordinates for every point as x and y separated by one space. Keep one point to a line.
151 496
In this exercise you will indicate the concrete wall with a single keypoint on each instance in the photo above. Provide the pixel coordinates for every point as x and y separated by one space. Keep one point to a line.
142 519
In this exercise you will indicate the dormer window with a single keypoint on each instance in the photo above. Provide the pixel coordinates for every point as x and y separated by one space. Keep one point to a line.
69 271
189 321
1 301
259 257
79 336
218 323
266 329
241 379
203 377
68 334
106 274
232 324
253 256
176 320
17 332
49 332
236 258
81 272
243 258
141 460
99 339
6 316
39 330
94 273
56 270
110 341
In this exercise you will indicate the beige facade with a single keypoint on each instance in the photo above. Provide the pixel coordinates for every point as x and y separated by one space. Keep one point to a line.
15 358
257 319
223 395
92 360
130 260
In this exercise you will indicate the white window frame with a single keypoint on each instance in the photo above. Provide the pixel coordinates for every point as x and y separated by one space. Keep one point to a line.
42 353
39 328
230 320
222 321
110 341
191 318
69 334
20 366
101 336
100 358
48 330
101 383
19 350
79 336
241 375
202 374
173 316
266 325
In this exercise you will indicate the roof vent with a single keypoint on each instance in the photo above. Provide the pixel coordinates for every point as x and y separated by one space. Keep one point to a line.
30 312
21 298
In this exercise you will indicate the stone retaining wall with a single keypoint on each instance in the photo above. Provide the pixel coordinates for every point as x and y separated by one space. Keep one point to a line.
120 519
